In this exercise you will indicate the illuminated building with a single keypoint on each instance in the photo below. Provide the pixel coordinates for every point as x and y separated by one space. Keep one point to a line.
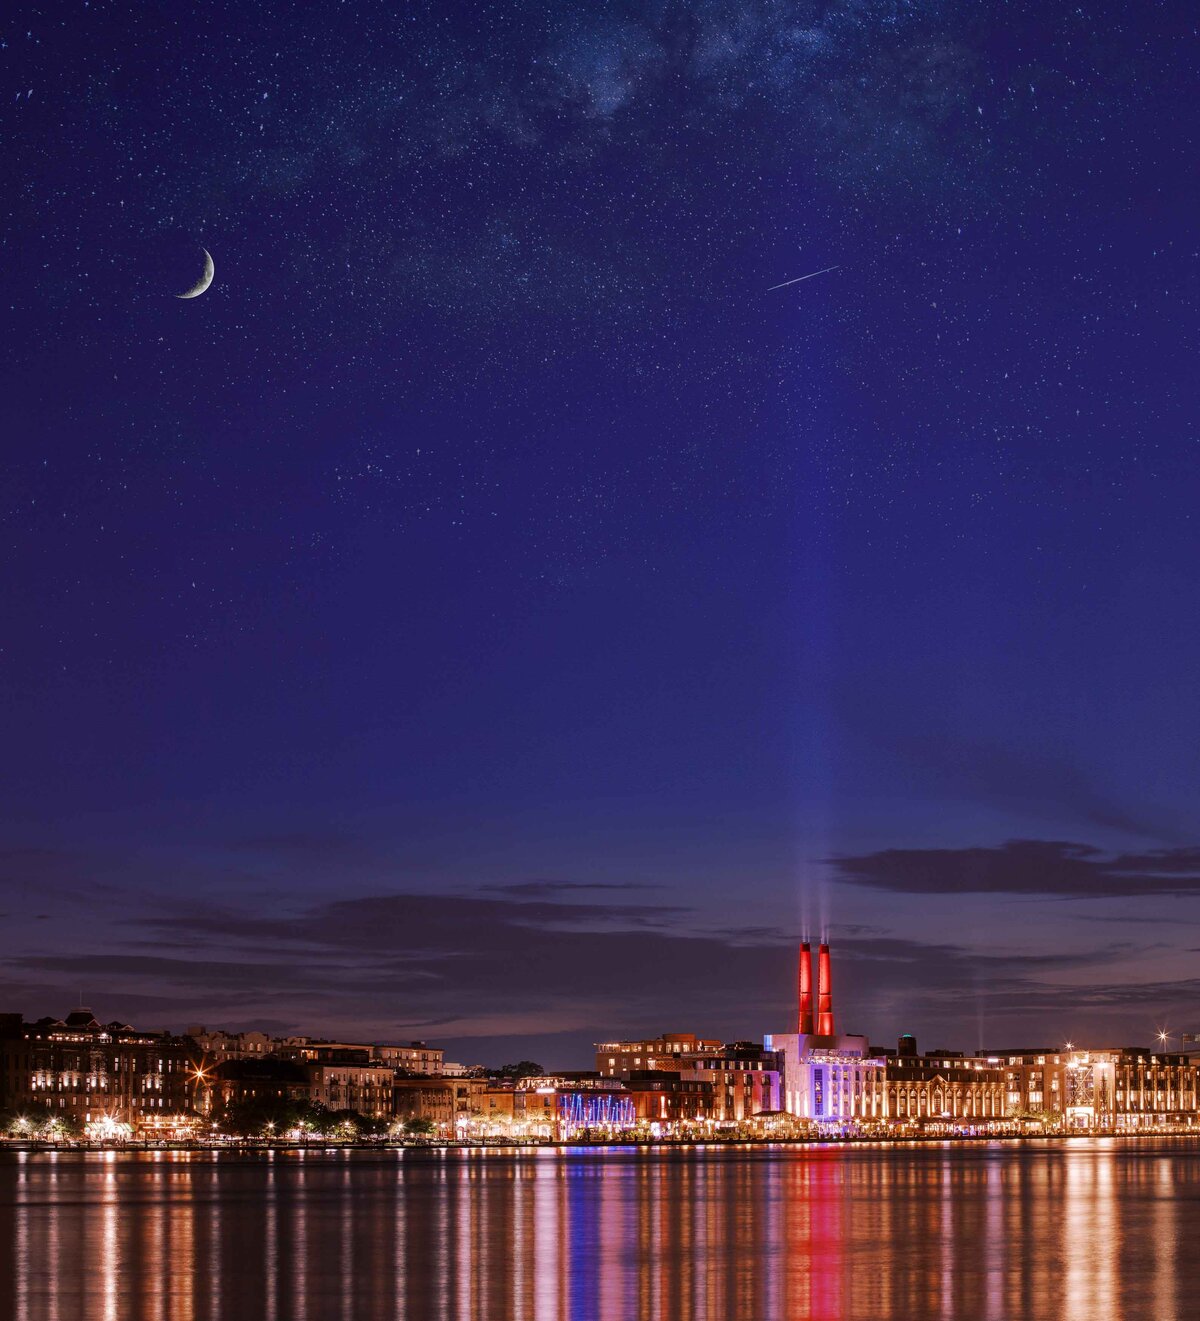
565 1103
614 1059
745 1079
336 1078
414 1058
744 1076
943 1085
346 1085
219 1045
432 1099
1107 1089
667 1098
81 1070
449 1103
239 1081
826 1077
831 1079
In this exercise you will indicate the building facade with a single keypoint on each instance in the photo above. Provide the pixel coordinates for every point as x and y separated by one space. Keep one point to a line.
671 1050
217 1045
416 1057
1111 1089
828 1079
352 1084
561 1105
252 1081
431 1099
665 1098
86 1072
744 1078
940 1087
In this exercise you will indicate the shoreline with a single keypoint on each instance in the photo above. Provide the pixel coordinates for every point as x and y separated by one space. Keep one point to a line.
31 1146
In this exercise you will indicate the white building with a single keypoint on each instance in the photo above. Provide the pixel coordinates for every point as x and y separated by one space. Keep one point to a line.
828 1079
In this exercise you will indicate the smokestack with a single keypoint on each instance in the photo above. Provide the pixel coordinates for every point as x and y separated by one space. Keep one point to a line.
824 993
806 990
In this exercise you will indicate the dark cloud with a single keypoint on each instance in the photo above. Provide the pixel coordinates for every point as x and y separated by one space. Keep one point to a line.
539 889
547 975
1044 868
1030 780
270 975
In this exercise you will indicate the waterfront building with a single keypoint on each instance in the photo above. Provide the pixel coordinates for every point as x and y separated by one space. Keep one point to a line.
560 1105
218 1045
941 1086
826 1076
744 1077
415 1058
343 1080
252 1081
667 1098
670 1050
452 1104
86 1072
1035 1081
1118 1088
494 1103
828 1079
431 1099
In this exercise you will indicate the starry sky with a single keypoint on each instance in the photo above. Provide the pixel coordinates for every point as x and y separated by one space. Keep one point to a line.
493 613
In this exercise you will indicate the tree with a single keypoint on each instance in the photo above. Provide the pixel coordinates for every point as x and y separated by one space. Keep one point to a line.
272 1116
522 1069
419 1127
350 1124
38 1121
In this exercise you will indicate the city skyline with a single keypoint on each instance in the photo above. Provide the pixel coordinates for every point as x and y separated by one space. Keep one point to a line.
78 1078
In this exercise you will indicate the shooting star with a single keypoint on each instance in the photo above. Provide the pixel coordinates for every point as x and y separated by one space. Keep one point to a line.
810 276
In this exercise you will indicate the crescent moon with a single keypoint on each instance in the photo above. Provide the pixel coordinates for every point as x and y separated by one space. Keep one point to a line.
204 281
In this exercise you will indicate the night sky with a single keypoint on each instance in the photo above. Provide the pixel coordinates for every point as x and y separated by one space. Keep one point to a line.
492 613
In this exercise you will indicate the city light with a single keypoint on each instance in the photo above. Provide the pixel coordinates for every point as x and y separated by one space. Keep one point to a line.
222 1088
107 1129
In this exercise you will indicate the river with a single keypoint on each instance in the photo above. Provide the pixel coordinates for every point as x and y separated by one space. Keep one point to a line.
1048 1229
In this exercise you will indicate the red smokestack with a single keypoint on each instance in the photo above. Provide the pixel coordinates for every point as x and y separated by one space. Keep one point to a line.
824 993
806 990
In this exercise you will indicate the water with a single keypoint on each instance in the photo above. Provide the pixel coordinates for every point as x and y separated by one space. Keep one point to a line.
1079 1229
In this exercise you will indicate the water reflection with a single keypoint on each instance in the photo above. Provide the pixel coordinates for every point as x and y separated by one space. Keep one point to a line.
1072 1229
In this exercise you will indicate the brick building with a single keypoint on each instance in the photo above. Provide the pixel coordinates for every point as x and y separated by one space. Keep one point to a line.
743 1078
254 1081
85 1071
1115 1088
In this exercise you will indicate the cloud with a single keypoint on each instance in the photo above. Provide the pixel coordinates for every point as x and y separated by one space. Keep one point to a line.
467 960
539 889
407 964
1042 868
540 972
1031 780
